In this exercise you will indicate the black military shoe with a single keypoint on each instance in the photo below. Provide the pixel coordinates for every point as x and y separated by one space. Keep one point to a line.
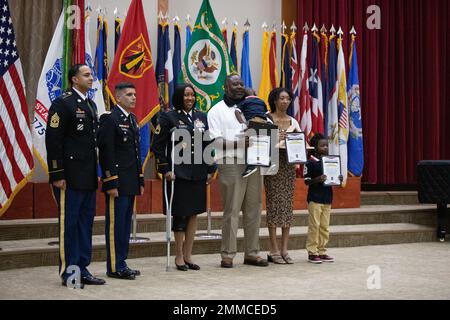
90 279
133 271
125 274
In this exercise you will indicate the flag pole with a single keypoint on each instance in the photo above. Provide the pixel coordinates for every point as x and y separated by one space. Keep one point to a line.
134 238
209 234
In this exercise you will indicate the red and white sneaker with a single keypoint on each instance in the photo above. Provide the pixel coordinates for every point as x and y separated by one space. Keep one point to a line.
314 259
326 258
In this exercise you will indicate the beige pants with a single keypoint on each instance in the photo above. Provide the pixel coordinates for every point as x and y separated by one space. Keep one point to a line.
318 233
240 194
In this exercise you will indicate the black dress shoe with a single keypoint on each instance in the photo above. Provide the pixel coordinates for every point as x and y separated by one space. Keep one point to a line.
133 271
90 279
125 274
183 267
192 266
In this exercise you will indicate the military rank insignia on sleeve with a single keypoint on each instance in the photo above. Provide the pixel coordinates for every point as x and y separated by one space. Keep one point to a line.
54 121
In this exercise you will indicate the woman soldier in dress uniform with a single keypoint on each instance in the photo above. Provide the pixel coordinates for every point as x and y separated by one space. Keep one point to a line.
191 177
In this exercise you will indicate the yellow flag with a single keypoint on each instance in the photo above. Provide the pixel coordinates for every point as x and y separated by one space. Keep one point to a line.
265 86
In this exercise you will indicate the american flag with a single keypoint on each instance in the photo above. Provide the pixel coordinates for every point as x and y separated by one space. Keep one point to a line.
16 158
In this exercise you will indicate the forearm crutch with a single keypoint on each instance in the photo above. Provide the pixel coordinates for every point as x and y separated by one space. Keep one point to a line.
169 203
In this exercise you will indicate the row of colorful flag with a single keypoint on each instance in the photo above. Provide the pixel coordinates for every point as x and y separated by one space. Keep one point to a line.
323 100
321 91
320 103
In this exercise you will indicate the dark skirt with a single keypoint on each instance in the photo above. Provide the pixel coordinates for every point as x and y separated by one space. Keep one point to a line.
189 198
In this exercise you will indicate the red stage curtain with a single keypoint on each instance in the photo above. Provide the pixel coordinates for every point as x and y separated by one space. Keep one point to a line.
404 74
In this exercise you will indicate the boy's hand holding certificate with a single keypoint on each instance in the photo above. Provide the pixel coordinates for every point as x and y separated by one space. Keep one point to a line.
332 170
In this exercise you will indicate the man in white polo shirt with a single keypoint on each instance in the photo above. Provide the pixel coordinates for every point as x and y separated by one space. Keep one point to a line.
237 192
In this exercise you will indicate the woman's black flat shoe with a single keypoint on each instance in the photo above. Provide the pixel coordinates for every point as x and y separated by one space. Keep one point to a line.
192 266
183 267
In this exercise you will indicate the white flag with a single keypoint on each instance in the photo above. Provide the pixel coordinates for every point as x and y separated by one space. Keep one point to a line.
49 88
332 109
342 111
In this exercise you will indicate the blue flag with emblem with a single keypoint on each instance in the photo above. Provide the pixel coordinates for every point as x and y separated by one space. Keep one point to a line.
233 48
176 61
168 69
188 34
160 62
246 74
355 139
117 26
101 58
286 74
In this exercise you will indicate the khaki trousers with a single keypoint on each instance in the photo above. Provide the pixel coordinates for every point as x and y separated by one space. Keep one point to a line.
318 233
240 194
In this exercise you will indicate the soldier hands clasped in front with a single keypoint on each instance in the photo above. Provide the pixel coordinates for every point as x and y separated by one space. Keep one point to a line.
118 141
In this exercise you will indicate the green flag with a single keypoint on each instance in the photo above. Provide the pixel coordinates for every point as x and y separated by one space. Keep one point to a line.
207 61
67 46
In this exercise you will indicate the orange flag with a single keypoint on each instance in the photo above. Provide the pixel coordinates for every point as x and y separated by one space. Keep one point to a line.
273 60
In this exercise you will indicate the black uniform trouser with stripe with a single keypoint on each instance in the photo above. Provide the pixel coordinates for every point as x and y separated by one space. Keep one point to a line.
119 212
76 217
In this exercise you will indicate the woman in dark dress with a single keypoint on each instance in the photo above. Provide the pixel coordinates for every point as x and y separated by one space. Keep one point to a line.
190 178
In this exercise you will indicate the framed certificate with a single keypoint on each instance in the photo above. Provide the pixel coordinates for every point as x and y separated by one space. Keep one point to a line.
332 169
258 151
296 147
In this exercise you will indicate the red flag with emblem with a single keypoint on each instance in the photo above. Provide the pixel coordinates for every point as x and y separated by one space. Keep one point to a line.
133 63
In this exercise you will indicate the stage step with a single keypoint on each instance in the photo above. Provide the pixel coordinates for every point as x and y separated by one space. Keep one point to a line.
36 252
368 214
389 198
